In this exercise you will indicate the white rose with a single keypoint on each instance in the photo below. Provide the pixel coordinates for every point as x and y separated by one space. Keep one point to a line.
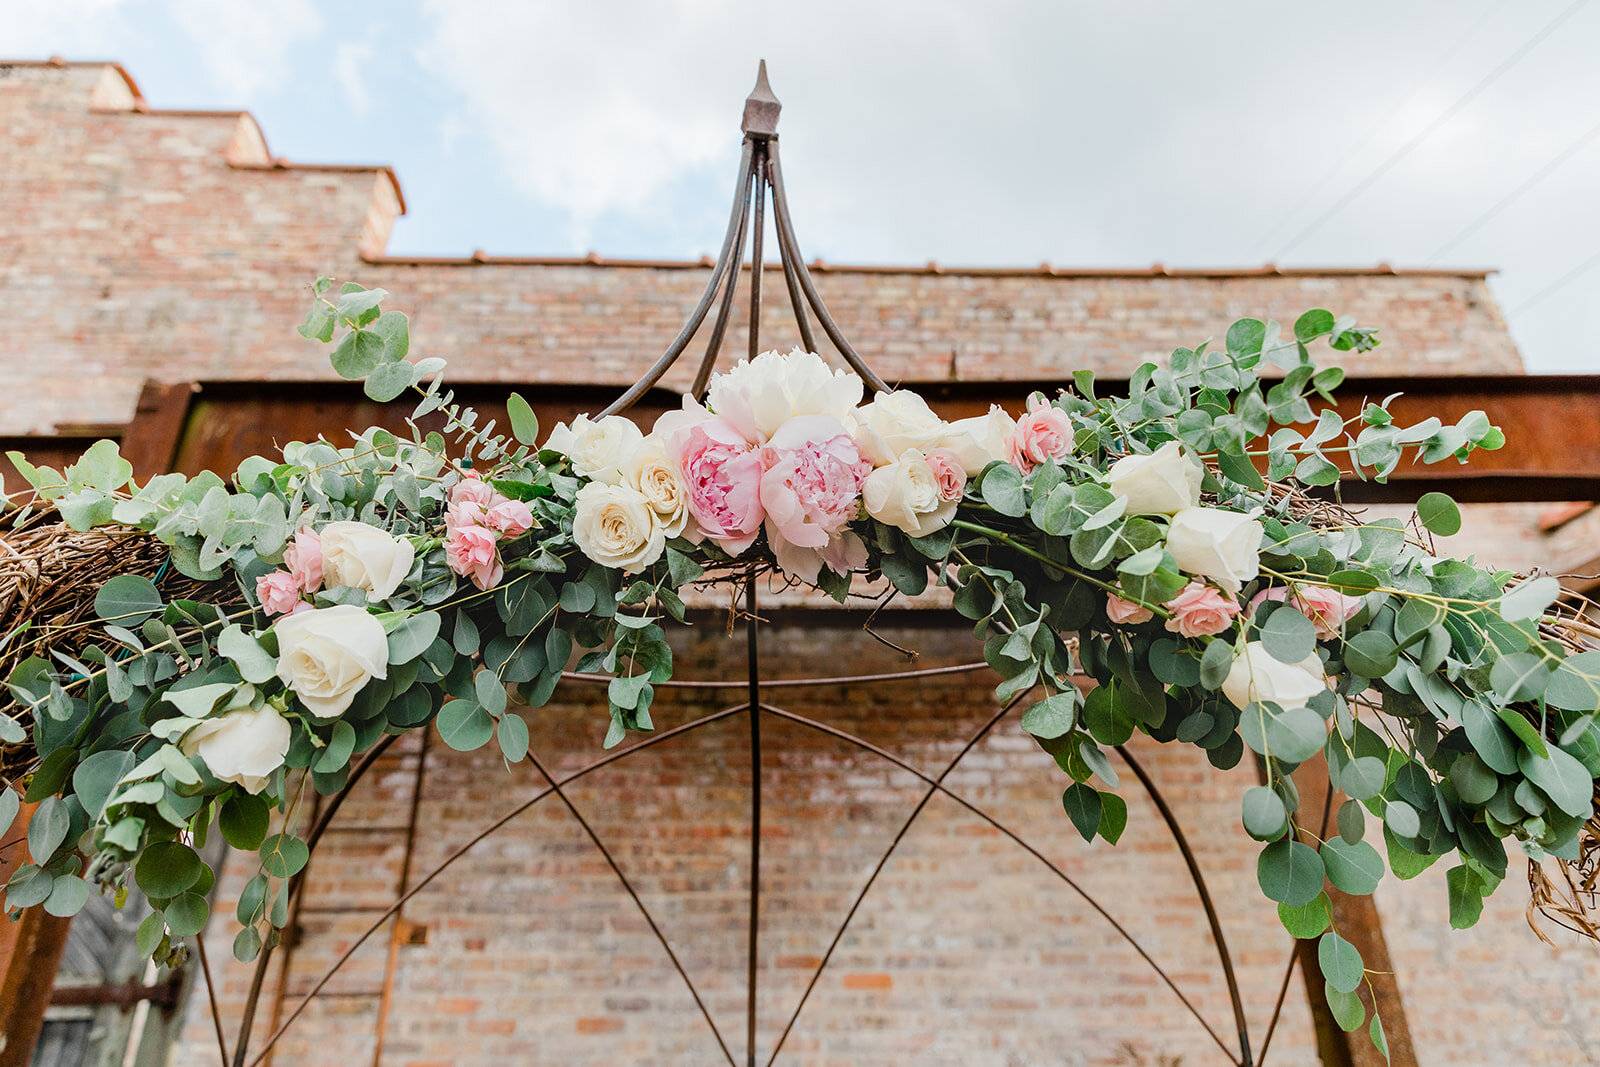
658 479
326 655
905 494
980 440
365 557
758 396
243 745
597 448
615 526
1162 483
1257 676
895 422
1212 543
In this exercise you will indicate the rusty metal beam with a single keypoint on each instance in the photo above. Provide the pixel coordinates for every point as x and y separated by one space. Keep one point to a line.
30 952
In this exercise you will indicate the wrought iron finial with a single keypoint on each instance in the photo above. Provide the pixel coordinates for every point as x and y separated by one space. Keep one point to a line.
761 108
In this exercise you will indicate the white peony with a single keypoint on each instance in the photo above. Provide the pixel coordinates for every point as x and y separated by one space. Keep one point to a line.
326 655
905 494
365 557
241 744
980 440
1162 483
658 479
894 422
758 396
615 526
597 448
1217 544
1257 676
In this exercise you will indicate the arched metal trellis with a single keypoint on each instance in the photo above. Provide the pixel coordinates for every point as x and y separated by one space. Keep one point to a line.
760 177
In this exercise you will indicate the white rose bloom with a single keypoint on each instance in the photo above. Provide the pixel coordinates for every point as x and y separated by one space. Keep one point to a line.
658 479
758 396
241 744
895 422
615 526
1257 676
980 440
328 654
1217 544
1162 483
597 448
365 557
905 495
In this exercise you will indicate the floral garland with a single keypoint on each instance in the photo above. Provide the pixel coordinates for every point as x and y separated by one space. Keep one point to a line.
398 583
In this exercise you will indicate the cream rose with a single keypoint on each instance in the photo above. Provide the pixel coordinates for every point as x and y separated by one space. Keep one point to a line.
1212 543
1257 677
895 422
1162 483
326 655
980 440
905 495
658 479
241 744
759 395
597 448
365 557
615 526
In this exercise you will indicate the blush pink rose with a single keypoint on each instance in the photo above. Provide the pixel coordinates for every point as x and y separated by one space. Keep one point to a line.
948 472
472 488
811 491
1199 610
1041 435
1328 609
278 592
722 476
1126 612
303 557
510 517
466 513
471 553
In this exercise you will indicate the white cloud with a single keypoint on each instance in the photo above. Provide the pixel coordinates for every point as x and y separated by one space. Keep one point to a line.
30 30
246 45
348 60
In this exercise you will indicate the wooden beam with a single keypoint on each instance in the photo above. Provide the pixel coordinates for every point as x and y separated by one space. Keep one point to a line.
30 953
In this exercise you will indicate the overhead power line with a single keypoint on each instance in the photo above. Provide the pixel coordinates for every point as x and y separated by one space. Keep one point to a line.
1429 130
1411 94
1560 283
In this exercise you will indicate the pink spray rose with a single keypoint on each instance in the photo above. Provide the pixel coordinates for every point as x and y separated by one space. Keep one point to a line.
471 552
1199 610
1126 612
465 513
948 472
278 592
811 490
509 517
472 488
303 557
721 474
1328 609
1043 434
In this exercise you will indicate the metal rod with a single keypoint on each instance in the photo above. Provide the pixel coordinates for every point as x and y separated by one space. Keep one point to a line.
753 662
644 911
780 216
719 325
758 230
393 961
939 787
211 995
427 879
1205 900
792 683
697 316
791 281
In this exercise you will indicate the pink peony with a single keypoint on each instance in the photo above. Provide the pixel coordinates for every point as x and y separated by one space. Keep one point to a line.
1328 609
811 490
510 517
470 550
303 557
1199 610
1126 612
1043 434
278 592
948 472
721 474
472 488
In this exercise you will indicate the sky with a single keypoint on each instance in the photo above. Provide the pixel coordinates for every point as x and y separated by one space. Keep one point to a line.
1084 134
